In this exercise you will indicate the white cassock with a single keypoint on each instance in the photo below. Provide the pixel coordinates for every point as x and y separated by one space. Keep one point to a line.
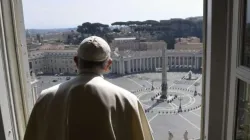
87 108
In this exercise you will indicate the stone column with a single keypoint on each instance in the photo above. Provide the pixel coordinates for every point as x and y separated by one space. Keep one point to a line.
175 61
159 62
129 68
158 59
179 61
195 63
111 70
136 65
148 63
122 66
189 63
117 67
192 62
183 61
131 65
151 61
140 64
186 61
199 62
155 63
143 63
171 61
166 61
114 67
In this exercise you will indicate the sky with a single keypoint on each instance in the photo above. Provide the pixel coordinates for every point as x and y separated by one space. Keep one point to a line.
46 14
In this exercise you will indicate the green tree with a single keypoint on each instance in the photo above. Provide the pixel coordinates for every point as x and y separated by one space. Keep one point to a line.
89 29
166 30
93 28
116 30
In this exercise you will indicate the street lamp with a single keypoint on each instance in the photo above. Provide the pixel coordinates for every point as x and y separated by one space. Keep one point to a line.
195 91
152 83
180 109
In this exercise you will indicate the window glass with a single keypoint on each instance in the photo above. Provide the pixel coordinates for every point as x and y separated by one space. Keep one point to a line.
137 31
246 45
243 112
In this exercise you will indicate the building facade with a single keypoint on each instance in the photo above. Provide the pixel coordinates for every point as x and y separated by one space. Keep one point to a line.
190 43
141 61
52 61
123 44
134 44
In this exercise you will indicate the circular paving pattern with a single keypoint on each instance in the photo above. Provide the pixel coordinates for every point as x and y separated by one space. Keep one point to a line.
162 116
183 97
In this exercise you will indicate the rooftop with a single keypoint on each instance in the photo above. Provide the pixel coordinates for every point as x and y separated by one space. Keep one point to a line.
127 38
128 53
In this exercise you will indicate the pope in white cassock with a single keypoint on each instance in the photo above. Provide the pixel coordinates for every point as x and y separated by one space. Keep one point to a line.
88 107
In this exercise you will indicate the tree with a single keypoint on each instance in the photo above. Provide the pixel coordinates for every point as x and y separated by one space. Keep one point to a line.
38 37
116 30
166 30
92 28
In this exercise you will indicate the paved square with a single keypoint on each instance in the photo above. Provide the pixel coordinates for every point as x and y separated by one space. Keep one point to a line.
162 116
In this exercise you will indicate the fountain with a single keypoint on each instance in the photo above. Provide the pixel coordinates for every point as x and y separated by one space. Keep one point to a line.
190 76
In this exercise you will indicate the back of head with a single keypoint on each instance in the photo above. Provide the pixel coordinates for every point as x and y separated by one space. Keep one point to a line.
94 49
92 54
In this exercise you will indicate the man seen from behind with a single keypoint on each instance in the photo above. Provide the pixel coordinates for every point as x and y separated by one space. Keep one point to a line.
88 107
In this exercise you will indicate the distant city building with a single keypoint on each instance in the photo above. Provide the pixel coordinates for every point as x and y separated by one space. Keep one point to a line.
129 56
52 47
123 44
52 61
125 30
152 45
129 43
190 43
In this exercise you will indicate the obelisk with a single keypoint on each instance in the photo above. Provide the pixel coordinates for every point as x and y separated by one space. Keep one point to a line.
164 85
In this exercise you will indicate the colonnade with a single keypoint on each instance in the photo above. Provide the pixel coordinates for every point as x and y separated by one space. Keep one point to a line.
132 65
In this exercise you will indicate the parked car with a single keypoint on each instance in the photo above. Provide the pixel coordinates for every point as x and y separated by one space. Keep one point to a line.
54 80
68 78
40 73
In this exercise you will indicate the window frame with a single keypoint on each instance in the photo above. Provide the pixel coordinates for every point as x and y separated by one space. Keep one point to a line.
216 68
214 14
18 102
238 71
